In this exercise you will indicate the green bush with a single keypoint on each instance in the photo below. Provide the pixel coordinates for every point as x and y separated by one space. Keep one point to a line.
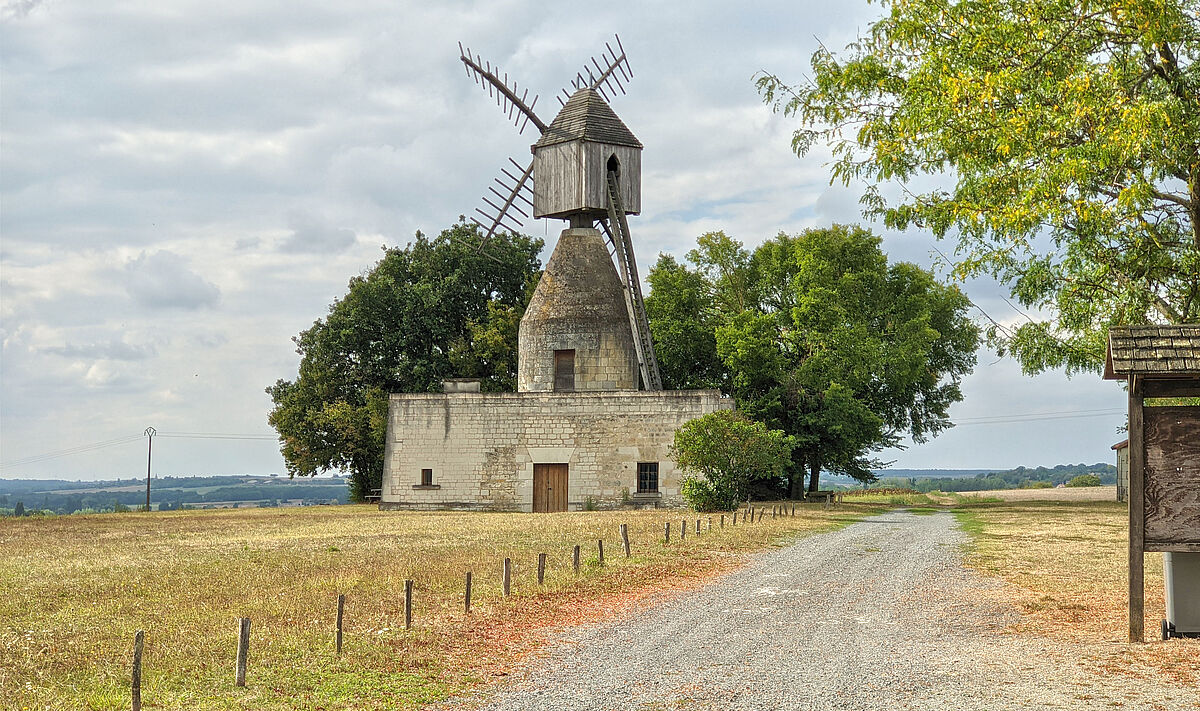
1084 480
721 453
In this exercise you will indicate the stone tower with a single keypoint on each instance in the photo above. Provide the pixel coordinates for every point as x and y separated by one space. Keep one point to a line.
575 334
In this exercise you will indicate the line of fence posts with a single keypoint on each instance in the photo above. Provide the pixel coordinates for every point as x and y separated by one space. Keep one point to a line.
243 642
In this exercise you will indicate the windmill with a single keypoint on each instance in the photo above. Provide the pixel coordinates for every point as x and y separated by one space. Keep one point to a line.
586 168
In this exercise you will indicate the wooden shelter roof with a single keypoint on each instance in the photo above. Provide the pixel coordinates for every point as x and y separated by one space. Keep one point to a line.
1166 351
587 117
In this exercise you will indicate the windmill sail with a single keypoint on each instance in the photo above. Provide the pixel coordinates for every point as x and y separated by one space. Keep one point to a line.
618 233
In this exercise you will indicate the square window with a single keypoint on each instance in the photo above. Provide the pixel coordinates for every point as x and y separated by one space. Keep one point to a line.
647 477
426 477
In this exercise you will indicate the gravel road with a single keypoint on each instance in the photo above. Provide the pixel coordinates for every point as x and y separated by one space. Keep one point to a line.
879 615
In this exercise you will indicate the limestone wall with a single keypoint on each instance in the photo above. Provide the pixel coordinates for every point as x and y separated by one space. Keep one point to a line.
482 446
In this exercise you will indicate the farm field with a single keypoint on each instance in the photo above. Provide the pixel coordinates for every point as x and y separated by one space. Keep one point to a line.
1066 561
78 587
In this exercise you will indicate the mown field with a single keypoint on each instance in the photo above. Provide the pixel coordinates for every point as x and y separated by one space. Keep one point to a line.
76 588
1066 561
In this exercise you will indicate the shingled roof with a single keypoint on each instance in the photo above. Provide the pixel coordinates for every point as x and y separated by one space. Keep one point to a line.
1153 350
586 116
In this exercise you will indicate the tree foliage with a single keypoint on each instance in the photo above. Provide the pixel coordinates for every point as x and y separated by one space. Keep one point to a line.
722 452
818 336
1064 136
435 309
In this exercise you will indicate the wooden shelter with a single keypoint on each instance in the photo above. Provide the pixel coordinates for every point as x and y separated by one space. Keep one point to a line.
1161 364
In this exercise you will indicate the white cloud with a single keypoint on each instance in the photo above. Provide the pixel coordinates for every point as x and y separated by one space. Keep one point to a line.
162 280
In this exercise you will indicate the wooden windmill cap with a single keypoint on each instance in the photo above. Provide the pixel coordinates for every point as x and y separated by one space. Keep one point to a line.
587 117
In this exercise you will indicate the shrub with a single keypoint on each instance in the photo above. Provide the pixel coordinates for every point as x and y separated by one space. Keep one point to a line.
1084 480
721 453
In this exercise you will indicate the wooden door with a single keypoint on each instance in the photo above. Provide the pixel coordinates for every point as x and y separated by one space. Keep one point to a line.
549 488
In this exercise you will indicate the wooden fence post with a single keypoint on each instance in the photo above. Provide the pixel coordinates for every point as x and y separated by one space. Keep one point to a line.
667 532
467 596
541 568
793 508
575 560
682 530
625 537
710 523
722 520
135 685
243 651
506 584
762 511
408 590
697 527
341 605
600 547
735 513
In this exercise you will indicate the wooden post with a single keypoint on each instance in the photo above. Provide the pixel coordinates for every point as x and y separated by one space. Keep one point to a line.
575 560
667 532
735 513
793 509
507 582
625 537
762 511
682 530
541 568
722 520
467 596
341 605
243 651
750 513
710 523
135 685
408 589
697 527
600 548
1137 511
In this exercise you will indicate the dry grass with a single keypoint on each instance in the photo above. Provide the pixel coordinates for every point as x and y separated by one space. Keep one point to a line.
77 587
1067 561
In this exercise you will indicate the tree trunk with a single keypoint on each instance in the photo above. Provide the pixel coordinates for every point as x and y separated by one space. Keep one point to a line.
814 477
796 481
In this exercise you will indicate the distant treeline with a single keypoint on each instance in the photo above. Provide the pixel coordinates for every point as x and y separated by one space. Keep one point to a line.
1019 478
166 493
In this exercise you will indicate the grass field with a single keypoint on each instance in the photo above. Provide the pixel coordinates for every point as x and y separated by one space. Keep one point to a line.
1067 563
76 588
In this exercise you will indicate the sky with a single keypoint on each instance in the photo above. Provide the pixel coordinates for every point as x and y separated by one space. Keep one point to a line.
186 185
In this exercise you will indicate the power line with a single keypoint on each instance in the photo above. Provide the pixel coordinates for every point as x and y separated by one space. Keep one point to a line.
1036 416
116 442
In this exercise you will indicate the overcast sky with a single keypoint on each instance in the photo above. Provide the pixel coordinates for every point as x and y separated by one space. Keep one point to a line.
187 184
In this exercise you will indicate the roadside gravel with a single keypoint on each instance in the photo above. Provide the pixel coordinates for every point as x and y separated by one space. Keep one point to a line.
879 615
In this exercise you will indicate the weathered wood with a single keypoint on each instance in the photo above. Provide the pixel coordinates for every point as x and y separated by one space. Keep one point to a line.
243 651
600 549
575 559
762 511
667 532
682 530
625 538
467 595
550 487
408 603
573 175
722 520
735 513
710 523
341 607
506 583
1159 387
1137 528
793 508
697 527
1171 475
541 568
135 682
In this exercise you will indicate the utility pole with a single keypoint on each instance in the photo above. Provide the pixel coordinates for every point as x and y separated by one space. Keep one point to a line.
150 432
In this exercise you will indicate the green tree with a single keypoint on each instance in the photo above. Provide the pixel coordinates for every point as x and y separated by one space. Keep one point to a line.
821 338
1084 480
19 509
721 453
1064 139
435 309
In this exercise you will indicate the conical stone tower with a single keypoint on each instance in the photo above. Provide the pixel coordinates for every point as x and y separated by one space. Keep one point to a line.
575 334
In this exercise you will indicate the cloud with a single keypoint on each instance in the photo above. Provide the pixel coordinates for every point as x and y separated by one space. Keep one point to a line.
312 236
162 280
108 350
15 9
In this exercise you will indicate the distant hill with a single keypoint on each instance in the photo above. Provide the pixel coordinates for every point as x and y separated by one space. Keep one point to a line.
983 480
169 492
930 473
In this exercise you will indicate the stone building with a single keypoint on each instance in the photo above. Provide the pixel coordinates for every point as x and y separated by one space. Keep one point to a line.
576 435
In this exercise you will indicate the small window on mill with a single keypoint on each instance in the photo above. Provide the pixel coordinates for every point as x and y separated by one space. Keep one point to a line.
426 477
647 477
564 371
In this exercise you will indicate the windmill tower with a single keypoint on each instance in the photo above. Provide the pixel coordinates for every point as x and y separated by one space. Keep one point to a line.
586 327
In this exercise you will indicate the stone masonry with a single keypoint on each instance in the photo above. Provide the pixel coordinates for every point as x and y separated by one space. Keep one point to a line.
481 447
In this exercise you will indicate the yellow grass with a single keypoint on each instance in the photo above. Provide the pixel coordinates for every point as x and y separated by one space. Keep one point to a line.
76 588
1067 561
